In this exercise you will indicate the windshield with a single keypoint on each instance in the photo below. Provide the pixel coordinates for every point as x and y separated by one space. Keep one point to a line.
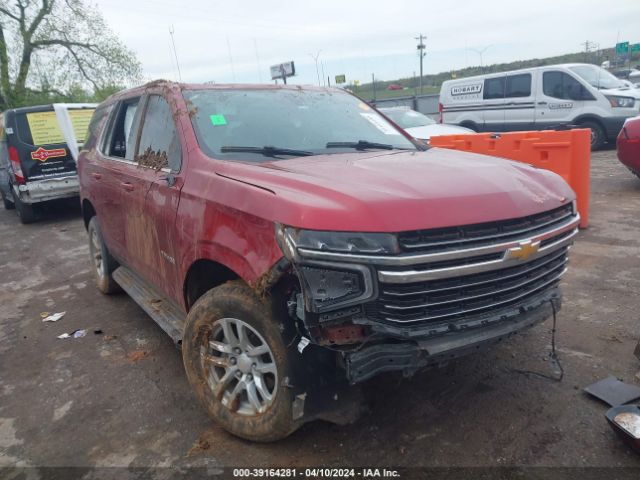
597 77
300 119
408 118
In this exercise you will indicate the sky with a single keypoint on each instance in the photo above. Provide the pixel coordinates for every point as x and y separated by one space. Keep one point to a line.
228 41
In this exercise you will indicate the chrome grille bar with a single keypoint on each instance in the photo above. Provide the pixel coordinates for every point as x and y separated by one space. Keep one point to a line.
474 284
472 297
411 276
476 309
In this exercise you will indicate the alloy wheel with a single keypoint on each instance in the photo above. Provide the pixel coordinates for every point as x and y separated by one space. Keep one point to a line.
239 367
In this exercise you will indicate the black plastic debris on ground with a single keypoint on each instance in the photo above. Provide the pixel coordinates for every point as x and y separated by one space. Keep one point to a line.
613 392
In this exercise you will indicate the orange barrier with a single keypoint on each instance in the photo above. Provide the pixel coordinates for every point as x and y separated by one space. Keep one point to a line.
566 152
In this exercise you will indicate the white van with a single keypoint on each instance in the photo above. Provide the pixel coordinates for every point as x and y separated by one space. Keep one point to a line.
541 98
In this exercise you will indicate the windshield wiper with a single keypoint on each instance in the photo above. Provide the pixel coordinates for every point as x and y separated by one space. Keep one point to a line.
267 151
360 145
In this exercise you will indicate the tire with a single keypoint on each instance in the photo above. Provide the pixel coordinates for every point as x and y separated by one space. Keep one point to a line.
598 136
470 126
8 204
26 212
102 262
217 375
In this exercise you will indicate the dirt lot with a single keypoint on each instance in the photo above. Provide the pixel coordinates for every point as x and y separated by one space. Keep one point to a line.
122 399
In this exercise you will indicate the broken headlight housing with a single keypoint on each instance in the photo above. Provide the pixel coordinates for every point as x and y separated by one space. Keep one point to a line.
334 284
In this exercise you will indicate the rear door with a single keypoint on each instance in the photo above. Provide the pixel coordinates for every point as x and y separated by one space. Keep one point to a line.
519 112
493 104
40 143
151 202
105 173
559 98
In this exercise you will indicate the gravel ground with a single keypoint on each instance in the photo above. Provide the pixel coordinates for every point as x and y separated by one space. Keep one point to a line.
122 399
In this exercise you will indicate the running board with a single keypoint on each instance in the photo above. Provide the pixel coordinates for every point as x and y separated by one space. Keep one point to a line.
169 317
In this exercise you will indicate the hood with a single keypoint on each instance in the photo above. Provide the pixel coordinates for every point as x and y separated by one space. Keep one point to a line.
622 92
396 191
427 131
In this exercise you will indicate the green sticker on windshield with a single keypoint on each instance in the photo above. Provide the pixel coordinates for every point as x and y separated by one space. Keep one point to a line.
218 120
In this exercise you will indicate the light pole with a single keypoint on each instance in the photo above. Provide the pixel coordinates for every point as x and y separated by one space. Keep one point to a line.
315 58
421 53
480 51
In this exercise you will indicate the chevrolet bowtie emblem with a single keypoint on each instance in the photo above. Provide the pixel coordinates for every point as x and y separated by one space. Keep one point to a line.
524 250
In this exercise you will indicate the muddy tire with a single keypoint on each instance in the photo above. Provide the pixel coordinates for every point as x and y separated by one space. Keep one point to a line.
236 361
598 136
26 212
102 262
8 204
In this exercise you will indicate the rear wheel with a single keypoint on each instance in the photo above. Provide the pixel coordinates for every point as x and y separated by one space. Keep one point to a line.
102 262
237 363
8 204
598 136
26 212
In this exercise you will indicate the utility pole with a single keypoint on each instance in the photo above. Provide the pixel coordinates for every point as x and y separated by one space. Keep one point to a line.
373 80
315 57
421 53
171 30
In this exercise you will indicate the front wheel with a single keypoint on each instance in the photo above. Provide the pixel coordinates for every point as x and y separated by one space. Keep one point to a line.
237 363
102 262
598 136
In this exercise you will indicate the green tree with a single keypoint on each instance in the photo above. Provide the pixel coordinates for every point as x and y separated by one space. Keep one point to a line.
59 49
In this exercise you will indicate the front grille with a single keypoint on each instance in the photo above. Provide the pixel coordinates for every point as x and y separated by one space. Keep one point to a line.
469 236
451 299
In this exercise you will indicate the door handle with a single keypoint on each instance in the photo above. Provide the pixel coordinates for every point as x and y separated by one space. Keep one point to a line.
127 186
97 176
542 103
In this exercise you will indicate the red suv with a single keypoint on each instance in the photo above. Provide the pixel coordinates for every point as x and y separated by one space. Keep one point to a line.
628 144
290 238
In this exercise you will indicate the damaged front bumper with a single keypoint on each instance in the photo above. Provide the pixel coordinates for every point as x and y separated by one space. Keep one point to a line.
411 356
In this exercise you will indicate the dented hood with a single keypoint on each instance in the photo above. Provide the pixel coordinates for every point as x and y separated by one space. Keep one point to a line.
398 190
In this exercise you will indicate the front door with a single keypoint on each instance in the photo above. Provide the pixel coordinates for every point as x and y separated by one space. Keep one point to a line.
153 194
558 102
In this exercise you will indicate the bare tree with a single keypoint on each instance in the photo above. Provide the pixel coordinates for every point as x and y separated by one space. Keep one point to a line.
50 46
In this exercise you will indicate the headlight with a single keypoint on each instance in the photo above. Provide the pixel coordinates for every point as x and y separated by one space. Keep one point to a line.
336 284
621 102
340 242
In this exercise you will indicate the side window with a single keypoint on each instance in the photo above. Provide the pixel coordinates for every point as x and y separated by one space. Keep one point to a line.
518 86
96 126
159 144
493 88
123 132
561 85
